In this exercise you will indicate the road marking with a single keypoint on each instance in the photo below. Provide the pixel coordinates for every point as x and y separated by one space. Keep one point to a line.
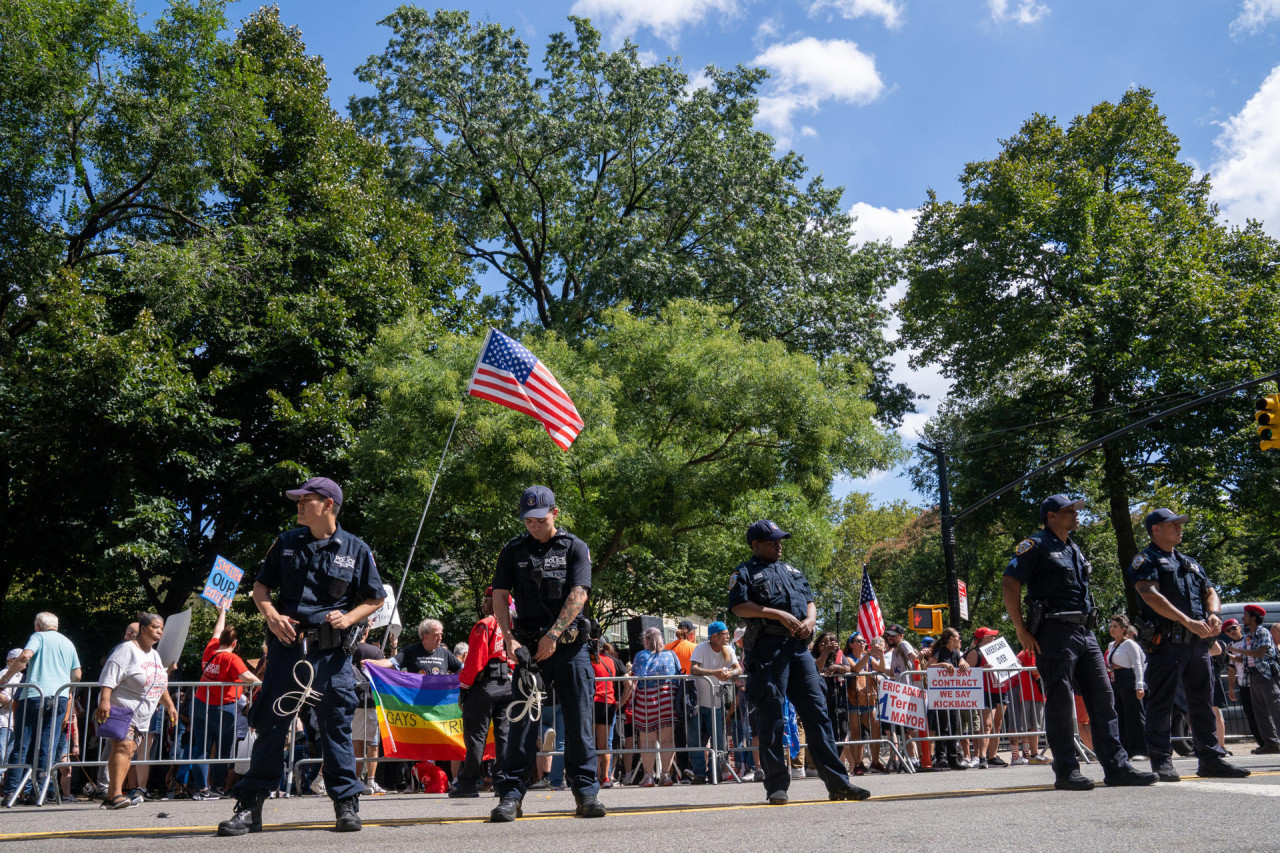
197 831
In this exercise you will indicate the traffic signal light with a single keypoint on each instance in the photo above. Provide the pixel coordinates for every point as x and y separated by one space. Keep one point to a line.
1268 418
926 619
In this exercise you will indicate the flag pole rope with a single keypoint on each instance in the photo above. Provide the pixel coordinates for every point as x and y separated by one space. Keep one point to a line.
421 521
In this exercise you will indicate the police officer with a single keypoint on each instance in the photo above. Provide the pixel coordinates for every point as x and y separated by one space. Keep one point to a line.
1063 616
327 587
775 600
547 572
486 692
1182 604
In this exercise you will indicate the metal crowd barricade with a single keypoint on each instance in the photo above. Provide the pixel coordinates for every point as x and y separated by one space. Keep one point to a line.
1022 721
296 781
163 745
844 705
30 694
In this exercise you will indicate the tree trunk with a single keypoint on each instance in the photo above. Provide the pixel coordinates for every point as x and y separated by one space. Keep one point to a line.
1113 480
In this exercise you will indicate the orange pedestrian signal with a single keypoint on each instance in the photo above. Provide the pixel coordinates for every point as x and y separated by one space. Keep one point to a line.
926 619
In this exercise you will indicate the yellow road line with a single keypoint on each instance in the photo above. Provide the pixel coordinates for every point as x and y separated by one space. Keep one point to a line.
181 831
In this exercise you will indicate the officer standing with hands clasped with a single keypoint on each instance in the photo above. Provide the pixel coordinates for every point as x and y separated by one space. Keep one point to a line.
328 586
1059 630
547 572
1182 605
777 604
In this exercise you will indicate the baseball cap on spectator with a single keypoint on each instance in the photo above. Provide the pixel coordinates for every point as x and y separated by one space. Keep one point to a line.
926 642
983 633
536 502
1056 503
765 529
13 653
1160 516
738 632
855 636
684 625
894 630
322 486
1255 610
717 627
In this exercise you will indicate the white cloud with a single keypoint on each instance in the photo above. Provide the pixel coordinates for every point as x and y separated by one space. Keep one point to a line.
887 10
769 28
1018 11
1254 15
664 18
808 131
1246 175
883 223
808 72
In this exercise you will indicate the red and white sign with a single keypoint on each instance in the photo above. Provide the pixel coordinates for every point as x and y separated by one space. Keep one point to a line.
901 704
959 692
964 600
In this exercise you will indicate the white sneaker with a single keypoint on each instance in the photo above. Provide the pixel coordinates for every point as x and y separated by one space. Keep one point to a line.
797 773
647 782
1040 759
1019 761
375 788
317 786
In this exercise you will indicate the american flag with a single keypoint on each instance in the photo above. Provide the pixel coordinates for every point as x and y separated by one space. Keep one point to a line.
870 622
511 376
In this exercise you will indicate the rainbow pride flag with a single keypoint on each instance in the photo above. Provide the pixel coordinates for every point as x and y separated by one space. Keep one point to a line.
420 716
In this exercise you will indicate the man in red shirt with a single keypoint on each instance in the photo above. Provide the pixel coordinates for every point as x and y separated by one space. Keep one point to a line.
213 710
485 680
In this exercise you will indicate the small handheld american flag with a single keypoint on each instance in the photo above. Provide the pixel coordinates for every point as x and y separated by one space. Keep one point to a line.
511 376
870 622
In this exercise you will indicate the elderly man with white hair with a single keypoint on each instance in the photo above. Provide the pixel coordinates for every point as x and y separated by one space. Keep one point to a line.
50 661
428 656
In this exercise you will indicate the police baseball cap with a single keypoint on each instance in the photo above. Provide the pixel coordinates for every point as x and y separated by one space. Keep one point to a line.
765 529
322 486
1160 516
717 627
536 502
1056 503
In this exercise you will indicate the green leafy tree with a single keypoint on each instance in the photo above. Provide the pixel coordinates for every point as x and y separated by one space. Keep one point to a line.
189 349
692 431
1083 281
605 181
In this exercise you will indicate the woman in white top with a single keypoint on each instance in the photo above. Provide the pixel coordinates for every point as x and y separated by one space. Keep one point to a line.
1128 666
134 681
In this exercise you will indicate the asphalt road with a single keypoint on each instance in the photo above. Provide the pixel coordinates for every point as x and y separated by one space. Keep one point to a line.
1013 809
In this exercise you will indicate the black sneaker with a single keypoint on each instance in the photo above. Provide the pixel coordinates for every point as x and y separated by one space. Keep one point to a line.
851 792
507 810
247 817
542 784
1128 776
1216 768
1074 781
956 764
778 798
1164 771
347 811
590 807
463 793
699 780
997 761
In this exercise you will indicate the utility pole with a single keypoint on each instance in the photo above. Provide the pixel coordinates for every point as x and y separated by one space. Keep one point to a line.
948 534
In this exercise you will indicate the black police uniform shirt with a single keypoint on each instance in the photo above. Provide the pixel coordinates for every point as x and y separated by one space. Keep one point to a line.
778 585
315 577
1178 577
415 658
1052 571
539 576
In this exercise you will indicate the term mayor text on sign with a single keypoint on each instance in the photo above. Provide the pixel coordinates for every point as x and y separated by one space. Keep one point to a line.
901 704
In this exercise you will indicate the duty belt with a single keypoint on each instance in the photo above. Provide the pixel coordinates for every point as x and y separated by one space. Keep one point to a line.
1176 634
323 638
775 629
1075 617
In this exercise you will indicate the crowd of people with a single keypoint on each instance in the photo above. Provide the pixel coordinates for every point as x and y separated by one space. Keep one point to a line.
772 701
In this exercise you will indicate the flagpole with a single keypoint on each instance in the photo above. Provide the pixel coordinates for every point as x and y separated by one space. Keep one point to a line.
421 521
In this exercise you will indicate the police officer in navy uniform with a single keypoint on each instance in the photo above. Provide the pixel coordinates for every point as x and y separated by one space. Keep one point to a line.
1056 575
776 602
328 586
1182 604
547 572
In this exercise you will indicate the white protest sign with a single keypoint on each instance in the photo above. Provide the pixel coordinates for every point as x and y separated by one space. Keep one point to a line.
999 656
961 691
176 628
901 704
964 600
383 615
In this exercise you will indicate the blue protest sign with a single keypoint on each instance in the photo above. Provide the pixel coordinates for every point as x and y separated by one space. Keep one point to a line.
223 582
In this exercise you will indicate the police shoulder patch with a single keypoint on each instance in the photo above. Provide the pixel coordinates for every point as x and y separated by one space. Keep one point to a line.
1024 546
1138 561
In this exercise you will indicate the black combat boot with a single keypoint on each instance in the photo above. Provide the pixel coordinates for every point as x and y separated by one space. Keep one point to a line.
248 815
347 811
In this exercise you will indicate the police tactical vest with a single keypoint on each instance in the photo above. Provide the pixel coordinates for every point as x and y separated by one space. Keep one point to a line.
1061 578
1179 579
542 572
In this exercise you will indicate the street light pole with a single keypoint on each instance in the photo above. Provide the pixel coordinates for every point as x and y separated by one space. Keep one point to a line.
837 606
948 533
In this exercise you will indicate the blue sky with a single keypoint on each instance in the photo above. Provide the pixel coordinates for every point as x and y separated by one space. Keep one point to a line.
890 98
